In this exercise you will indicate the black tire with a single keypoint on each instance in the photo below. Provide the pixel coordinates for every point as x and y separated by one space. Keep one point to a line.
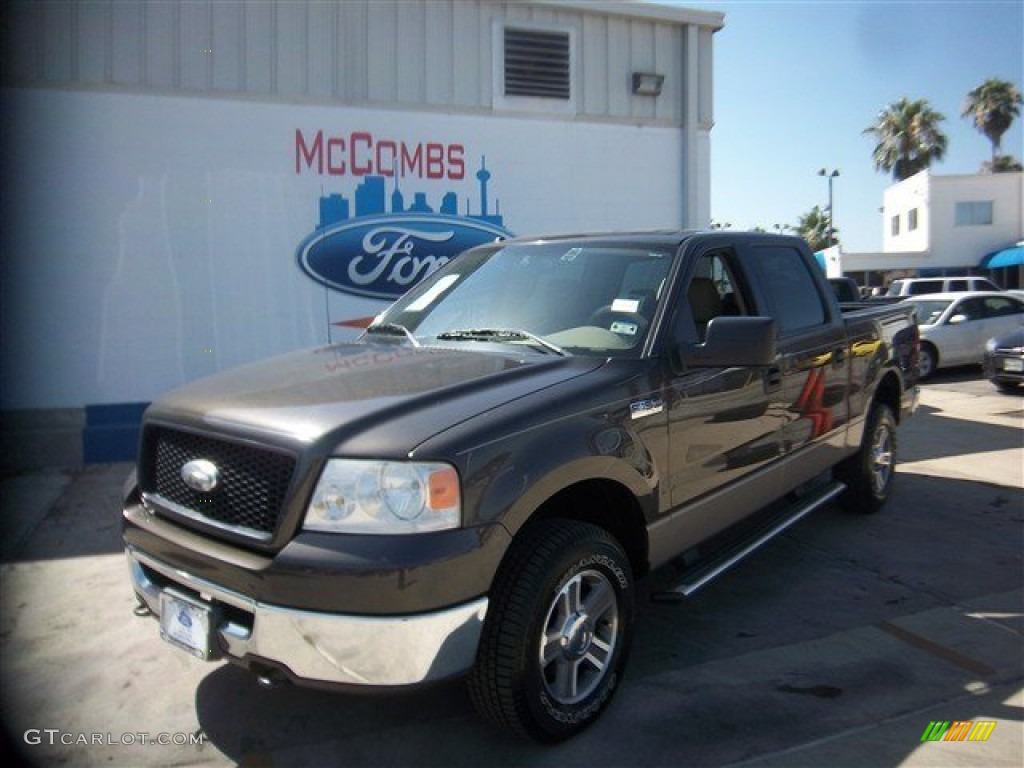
869 473
927 361
1008 387
571 583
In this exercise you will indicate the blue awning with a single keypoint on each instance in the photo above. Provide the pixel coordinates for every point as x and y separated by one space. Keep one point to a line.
1008 257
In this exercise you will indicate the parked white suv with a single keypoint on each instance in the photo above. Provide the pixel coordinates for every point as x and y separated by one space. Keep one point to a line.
915 286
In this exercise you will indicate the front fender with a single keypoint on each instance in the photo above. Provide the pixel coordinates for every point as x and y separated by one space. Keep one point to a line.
509 481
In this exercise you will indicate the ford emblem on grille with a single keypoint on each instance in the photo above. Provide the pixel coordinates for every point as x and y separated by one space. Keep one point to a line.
200 475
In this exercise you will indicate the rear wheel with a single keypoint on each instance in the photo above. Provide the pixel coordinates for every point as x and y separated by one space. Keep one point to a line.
870 472
557 632
927 361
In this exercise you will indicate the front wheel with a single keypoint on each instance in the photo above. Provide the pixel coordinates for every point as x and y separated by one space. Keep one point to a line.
870 472
557 632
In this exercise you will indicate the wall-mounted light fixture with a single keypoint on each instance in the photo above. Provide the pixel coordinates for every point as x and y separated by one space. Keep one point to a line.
647 83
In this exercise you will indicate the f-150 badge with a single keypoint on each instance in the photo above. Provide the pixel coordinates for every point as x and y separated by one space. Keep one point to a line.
642 408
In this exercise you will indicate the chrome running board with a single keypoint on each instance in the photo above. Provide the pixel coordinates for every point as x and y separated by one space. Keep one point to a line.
700 574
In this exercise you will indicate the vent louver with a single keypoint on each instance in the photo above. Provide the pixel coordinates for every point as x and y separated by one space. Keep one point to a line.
536 63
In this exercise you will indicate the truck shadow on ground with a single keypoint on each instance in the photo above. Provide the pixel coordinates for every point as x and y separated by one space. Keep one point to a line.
907 559
956 436
962 374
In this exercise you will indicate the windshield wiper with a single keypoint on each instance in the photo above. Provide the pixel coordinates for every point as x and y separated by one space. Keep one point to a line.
501 335
393 329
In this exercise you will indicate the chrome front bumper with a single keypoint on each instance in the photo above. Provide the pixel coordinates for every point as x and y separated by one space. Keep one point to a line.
323 647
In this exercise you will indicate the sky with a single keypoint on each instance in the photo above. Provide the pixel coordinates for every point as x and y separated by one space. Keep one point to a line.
796 83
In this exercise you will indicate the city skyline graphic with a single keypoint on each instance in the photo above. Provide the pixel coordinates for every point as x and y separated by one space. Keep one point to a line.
372 199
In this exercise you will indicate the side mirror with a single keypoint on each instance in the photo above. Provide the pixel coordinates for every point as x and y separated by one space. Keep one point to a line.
733 341
957 319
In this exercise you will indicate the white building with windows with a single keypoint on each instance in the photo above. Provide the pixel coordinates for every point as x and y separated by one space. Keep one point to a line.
948 225
189 186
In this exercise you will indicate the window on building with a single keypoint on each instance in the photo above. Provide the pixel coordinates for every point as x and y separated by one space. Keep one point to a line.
976 213
537 63
895 225
912 220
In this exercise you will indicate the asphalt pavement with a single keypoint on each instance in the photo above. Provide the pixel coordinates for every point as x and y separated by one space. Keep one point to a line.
841 643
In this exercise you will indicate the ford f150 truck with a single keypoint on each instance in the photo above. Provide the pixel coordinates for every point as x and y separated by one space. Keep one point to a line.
487 479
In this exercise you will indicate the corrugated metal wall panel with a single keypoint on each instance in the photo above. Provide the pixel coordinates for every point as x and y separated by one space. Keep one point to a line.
159 49
352 58
291 46
705 92
382 77
411 63
127 34
436 54
466 55
641 59
668 60
618 68
439 54
227 54
194 46
258 64
321 51
593 70
58 33
93 42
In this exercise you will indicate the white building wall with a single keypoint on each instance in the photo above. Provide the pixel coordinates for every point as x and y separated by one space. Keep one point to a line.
938 237
902 202
956 245
154 201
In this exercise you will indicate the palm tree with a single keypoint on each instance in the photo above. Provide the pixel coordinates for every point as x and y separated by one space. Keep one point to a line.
992 106
909 138
1002 164
813 227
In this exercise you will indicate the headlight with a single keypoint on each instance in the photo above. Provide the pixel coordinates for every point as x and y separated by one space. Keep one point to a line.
356 496
990 345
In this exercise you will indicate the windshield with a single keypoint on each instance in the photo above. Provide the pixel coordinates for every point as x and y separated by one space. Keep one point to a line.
552 297
929 312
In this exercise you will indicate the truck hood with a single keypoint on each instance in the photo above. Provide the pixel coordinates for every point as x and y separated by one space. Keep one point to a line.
378 400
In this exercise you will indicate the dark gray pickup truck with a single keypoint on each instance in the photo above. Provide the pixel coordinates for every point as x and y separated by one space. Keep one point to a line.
486 481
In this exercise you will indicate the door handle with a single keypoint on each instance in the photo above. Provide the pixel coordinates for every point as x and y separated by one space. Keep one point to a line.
772 379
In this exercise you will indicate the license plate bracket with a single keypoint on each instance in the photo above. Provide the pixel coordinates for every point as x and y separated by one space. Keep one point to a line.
190 624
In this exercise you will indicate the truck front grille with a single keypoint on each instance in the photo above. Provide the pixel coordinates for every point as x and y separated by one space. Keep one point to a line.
250 493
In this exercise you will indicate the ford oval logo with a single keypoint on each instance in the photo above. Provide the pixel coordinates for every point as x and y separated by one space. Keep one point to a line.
382 257
200 475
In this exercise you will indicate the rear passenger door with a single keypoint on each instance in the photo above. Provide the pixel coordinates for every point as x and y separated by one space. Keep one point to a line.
810 390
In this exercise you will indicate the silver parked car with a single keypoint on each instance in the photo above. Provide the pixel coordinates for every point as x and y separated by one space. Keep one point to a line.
956 326
1004 361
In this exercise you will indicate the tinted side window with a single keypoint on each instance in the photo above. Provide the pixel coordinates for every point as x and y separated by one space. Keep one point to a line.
790 288
925 286
998 306
958 285
974 309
